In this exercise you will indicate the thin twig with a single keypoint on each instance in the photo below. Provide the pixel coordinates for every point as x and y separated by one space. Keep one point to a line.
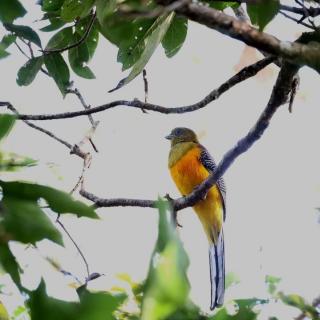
74 149
94 124
21 50
85 166
245 73
76 92
76 44
75 244
146 85
299 21
279 96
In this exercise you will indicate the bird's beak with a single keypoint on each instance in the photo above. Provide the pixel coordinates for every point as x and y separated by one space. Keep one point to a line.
169 136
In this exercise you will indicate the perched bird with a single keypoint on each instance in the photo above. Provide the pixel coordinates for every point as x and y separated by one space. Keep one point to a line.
190 164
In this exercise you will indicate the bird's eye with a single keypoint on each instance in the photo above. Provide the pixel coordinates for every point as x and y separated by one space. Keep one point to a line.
178 132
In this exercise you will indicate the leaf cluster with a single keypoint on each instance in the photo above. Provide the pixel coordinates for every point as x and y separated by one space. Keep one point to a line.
78 25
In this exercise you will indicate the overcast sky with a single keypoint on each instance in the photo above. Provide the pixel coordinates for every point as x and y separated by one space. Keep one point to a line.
272 190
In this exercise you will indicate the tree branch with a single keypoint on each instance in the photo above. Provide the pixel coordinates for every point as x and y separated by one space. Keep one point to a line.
279 96
242 75
297 53
74 149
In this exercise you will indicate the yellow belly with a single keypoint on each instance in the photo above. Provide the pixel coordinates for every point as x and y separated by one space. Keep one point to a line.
188 173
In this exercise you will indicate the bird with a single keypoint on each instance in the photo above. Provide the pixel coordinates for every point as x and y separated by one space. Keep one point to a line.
190 164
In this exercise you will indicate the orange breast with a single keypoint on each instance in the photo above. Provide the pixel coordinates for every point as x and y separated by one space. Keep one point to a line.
188 173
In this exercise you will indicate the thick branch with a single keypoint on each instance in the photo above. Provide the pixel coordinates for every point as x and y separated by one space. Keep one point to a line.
279 96
242 75
118 202
297 53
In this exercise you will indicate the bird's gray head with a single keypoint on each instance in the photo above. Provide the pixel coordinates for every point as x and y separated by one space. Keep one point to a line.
181 134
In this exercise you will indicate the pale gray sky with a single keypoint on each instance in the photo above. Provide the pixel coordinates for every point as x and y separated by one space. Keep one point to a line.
273 190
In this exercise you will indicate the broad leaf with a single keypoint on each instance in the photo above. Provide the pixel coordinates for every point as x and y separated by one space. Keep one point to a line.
58 201
60 39
175 36
55 24
9 263
167 286
297 301
263 12
3 52
152 41
78 58
92 39
28 72
6 124
97 306
128 35
14 162
51 5
244 310
80 55
24 32
104 9
58 70
73 9
11 10
24 221
8 40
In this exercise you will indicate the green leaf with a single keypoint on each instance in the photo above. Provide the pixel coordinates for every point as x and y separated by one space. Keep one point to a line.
9 263
272 283
104 9
297 301
220 5
55 23
24 32
175 36
231 280
51 5
263 12
161 26
58 70
8 40
244 310
167 286
73 9
28 72
11 10
24 221
6 124
61 39
58 201
13 162
92 38
78 58
3 52
97 306
80 55
128 35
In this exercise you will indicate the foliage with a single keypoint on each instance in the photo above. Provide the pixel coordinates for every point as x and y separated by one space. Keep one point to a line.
81 23
74 28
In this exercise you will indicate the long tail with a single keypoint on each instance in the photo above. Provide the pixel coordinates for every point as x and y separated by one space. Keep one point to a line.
217 272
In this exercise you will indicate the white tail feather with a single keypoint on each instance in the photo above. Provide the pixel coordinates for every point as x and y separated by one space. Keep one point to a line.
217 272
